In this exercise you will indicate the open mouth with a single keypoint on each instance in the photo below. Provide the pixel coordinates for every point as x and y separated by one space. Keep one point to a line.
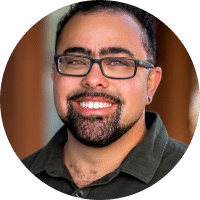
94 105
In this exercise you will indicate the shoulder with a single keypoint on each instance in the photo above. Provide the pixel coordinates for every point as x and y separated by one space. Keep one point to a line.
38 160
174 150
174 146
28 161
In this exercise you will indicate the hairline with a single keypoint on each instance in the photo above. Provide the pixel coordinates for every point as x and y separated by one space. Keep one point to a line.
144 36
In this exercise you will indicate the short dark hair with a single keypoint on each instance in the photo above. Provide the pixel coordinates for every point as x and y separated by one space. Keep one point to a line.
147 21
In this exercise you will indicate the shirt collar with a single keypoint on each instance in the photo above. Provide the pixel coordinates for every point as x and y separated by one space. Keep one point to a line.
51 156
142 162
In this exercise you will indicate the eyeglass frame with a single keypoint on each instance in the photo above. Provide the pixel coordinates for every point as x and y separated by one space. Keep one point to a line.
142 63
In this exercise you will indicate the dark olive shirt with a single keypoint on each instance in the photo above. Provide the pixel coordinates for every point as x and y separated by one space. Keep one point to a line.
146 164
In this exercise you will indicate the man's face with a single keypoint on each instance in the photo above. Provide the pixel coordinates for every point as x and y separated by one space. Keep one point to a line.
113 106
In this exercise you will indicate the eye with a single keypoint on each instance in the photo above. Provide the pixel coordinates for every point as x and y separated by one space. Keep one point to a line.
116 62
75 62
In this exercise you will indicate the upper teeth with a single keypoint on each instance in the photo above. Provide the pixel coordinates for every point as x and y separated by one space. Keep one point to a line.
95 105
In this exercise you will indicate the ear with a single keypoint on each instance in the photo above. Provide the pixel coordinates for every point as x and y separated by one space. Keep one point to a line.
154 79
53 71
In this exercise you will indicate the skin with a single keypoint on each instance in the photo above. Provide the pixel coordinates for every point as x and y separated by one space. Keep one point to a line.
94 32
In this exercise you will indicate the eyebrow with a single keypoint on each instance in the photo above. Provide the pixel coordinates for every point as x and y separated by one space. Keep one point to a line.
115 50
103 51
82 50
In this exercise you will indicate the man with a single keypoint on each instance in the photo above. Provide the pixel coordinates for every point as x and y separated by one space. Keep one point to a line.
104 76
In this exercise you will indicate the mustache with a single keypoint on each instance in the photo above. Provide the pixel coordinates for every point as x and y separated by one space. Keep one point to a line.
79 95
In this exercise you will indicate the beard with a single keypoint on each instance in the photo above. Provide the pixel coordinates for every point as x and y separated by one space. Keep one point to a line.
96 131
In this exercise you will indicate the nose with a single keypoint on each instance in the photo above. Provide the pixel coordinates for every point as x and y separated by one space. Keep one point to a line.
95 78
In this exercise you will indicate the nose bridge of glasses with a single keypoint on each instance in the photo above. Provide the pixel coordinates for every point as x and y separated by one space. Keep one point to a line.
96 61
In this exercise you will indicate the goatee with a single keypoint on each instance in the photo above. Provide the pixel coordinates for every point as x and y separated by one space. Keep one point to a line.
95 131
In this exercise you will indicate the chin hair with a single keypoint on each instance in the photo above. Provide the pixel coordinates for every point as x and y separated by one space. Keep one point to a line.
96 131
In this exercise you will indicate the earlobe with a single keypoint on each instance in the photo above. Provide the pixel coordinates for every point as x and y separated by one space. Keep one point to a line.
154 79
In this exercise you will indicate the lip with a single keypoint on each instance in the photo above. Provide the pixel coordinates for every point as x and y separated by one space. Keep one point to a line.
95 99
94 111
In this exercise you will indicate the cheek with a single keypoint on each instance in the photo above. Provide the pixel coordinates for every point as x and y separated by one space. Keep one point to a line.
62 87
134 95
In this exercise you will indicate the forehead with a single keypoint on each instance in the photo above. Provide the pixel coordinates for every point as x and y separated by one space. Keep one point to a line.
101 28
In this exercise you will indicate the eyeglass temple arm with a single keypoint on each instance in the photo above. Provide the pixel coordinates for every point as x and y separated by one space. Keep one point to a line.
146 64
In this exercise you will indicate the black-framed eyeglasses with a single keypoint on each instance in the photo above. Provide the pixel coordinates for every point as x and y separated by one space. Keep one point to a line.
111 67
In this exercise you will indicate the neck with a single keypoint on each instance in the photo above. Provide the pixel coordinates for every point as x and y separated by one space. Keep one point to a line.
94 163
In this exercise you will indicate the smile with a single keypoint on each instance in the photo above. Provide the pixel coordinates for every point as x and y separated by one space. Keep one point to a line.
95 105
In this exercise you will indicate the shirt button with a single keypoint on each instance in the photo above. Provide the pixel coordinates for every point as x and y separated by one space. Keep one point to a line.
79 193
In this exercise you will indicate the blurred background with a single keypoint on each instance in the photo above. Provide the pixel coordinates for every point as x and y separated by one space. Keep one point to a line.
27 107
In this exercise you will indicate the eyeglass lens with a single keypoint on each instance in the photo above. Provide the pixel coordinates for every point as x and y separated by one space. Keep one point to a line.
112 67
